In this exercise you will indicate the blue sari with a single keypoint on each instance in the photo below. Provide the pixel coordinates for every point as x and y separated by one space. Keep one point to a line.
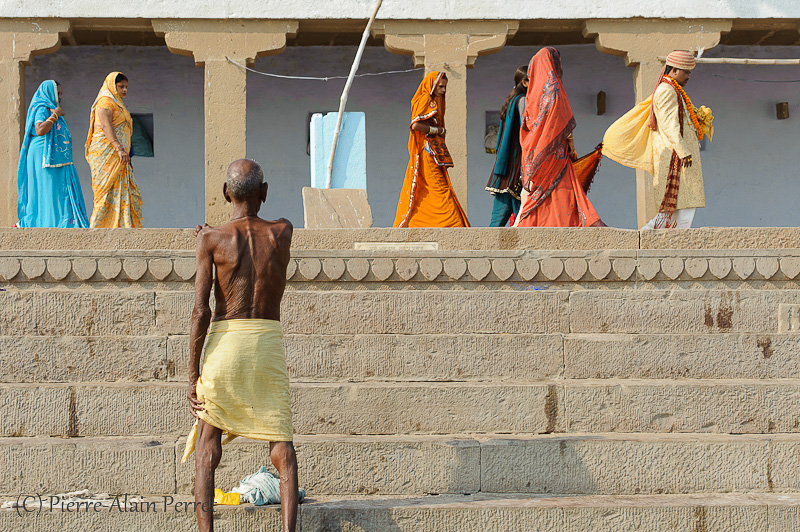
47 182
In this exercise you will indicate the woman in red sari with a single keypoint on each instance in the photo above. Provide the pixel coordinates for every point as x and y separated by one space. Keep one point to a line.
551 193
427 198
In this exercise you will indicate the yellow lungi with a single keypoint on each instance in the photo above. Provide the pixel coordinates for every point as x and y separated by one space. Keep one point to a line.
244 384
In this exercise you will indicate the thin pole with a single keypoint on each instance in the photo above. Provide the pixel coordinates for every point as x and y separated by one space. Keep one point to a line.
343 100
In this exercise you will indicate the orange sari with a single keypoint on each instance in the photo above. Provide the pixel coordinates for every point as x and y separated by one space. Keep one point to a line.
552 195
427 198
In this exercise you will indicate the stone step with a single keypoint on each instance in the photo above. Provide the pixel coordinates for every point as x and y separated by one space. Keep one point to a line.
429 357
641 311
144 313
585 464
446 513
610 405
317 357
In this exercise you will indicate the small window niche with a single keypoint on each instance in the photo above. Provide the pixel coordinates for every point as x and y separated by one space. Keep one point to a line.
142 136
492 131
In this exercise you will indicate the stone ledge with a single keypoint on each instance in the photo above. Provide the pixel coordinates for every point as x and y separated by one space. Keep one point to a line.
446 513
704 238
649 406
447 238
423 357
475 238
591 464
489 266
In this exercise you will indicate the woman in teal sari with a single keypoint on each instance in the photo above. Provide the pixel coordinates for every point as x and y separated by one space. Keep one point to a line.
505 183
47 183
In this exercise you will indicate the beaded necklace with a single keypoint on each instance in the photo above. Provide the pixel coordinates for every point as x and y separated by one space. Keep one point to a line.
689 106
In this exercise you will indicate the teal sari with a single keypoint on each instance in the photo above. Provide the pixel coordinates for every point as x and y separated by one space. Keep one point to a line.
47 183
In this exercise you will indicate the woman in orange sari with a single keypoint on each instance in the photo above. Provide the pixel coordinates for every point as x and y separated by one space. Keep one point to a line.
551 193
427 198
117 202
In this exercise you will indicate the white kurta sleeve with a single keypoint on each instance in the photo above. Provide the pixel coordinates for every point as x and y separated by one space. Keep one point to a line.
668 119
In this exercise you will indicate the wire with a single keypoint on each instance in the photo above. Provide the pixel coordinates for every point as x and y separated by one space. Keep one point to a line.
313 78
330 78
752 80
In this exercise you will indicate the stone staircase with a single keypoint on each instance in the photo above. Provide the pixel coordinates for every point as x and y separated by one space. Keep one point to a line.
614 381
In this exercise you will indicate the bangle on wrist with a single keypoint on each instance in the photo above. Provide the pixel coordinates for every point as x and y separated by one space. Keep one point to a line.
433 130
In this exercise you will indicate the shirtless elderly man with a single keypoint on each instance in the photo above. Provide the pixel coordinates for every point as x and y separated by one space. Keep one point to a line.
244 387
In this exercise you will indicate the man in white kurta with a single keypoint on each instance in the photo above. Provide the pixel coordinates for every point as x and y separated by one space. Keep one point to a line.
676 136
662 137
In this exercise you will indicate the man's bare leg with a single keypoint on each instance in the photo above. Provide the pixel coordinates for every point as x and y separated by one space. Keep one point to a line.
285 461
207 454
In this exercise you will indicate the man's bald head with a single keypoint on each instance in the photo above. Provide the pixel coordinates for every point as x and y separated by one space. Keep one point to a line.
245 178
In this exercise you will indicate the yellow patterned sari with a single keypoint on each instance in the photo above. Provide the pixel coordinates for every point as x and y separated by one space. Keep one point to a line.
117 202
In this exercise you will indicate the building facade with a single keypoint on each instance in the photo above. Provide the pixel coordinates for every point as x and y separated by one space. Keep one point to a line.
202 118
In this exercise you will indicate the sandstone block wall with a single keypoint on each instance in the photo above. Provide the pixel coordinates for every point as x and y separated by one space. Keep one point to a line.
595 372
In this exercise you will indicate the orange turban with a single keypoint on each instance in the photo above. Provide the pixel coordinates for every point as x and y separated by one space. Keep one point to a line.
682 59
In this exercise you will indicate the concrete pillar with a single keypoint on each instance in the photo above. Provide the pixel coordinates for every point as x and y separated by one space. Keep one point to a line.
20 40
641 43
211 43
451 47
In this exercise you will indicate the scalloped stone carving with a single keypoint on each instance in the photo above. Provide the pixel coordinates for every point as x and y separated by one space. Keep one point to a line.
767 266
790 266
310 268
109 267
187 268
134 268
33 267
358 268
600 267
649 268
291 269
527 268
334 268
720 267
382 268
406 268
59 268
455 268
552 268
744 266
84 268
576 268
9 268
624 268
479 268
672 267
696 267
160 268
430 268
503 268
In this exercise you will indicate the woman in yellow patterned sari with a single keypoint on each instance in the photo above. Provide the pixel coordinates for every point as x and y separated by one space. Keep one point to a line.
117 202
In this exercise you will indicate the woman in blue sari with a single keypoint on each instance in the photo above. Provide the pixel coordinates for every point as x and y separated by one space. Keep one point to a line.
47 183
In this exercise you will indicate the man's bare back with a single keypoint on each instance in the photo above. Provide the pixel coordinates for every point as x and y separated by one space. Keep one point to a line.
250 256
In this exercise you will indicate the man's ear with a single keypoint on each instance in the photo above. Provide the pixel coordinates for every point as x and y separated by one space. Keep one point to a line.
225 192
264 187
